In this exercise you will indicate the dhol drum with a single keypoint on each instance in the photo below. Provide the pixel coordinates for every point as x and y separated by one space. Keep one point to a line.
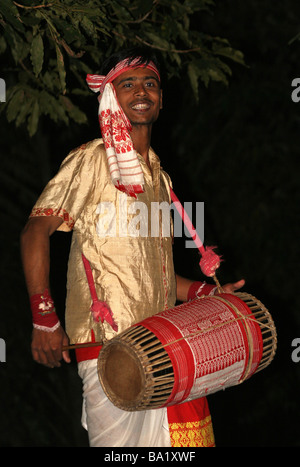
192 350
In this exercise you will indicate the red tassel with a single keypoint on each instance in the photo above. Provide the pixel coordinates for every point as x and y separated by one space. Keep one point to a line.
100 310
210 261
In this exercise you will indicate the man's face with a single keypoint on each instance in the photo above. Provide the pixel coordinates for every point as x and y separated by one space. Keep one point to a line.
139 94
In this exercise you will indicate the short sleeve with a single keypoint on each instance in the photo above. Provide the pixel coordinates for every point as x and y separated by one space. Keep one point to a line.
68 191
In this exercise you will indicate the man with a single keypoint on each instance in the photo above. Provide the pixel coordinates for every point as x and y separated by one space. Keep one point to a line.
94 194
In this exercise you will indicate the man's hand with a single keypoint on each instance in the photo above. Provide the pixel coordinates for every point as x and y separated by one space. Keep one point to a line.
231 288
46 347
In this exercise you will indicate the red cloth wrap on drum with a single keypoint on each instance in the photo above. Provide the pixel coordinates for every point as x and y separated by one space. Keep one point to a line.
180 355
257 340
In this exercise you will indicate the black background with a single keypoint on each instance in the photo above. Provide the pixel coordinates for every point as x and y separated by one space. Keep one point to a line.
238 152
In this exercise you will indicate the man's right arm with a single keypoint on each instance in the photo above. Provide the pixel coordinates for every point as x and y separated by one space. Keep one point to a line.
35 250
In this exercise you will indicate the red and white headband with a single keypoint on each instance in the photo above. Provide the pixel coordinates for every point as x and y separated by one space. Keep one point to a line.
97 83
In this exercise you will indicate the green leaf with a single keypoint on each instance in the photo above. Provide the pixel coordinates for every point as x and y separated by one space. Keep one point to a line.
61 68
67 31
33 119
74 112
11 14
88 27
37 54
217 75
193 74
18 46
48 81
3 45
157 40
25 110
229 52
53 108
14 105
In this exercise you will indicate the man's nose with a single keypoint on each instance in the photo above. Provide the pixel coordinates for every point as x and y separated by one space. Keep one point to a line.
140 89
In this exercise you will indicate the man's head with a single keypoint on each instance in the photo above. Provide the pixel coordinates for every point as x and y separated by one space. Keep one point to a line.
135 76
129 102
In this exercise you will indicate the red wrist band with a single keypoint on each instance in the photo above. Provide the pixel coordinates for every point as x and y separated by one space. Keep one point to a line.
44 316
199 288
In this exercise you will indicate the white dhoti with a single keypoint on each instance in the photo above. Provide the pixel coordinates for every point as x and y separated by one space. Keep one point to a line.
109 426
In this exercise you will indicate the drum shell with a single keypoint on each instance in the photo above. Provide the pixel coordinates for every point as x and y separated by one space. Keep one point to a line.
202 347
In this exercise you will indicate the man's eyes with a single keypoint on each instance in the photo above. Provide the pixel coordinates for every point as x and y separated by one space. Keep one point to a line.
148 84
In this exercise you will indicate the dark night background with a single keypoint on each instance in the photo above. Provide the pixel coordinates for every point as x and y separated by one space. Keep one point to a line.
238 152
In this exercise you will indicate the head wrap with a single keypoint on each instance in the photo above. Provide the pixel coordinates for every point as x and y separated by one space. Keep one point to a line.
124 166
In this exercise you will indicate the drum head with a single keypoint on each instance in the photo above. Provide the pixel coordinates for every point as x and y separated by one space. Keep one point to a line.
120 374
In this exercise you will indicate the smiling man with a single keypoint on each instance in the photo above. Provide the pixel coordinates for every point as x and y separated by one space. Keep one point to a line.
140 96
113 281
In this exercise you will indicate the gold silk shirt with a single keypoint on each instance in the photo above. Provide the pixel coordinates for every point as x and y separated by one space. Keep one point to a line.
123 238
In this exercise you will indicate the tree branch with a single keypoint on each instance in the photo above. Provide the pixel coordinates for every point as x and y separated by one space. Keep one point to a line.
33 7
164 49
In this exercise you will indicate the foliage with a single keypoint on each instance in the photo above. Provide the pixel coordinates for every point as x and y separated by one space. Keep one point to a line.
48 47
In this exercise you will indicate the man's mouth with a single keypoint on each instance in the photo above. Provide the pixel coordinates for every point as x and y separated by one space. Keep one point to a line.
141 106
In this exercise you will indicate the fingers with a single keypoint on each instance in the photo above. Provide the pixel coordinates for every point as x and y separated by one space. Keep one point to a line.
66 356
231 288
46 356
46 348
65 353
239 284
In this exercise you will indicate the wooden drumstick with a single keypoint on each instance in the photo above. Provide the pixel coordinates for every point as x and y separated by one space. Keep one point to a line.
81 346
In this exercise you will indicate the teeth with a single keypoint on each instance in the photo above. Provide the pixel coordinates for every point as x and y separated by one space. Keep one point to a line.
140 106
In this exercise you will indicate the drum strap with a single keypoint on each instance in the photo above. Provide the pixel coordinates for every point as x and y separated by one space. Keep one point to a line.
210 261
187 222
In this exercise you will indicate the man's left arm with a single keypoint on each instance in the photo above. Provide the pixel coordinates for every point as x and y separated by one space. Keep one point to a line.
187 289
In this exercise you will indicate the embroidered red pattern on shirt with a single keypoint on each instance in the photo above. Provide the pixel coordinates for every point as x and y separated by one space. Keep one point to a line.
59 212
